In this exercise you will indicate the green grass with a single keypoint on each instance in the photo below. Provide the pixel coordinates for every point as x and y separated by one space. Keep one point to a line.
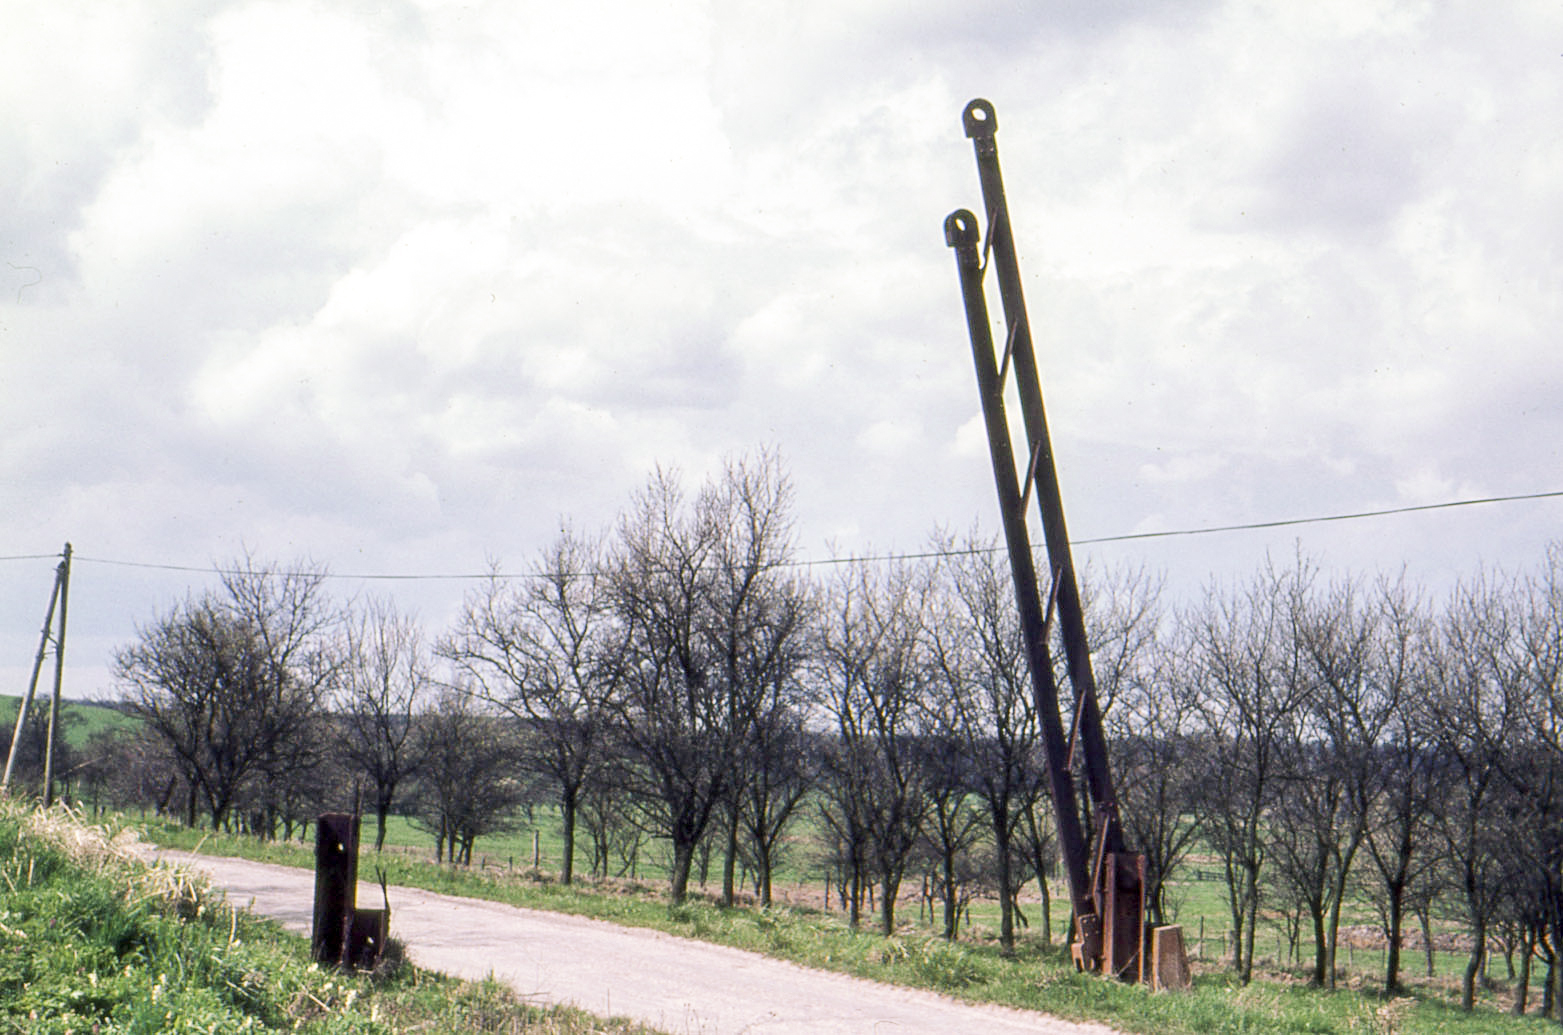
1197 904
93 941
514 849
1038 978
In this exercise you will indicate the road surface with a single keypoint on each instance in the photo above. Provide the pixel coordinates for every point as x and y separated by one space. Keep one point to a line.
680 986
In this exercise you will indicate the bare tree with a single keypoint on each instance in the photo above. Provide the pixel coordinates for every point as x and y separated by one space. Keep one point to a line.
777 775
982 661
873 669
467 784
669 711
1397 772
1037 842
142 773
608 815
230 680
295 783
1249 665
759 614
1309 804
1359 650
1475 719
954 823
1532 667
542 650
34 743
711 621
384 685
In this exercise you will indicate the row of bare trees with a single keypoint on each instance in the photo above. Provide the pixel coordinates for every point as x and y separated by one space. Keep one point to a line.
1315 742
1339 742
264 702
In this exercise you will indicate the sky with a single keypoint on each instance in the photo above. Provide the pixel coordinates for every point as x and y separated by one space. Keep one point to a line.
396 287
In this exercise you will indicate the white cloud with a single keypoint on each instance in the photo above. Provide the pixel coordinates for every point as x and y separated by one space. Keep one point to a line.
398 284
1184 468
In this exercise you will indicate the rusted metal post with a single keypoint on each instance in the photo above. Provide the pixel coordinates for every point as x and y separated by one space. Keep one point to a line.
366 937
960 233
336 884
343 934
1109 909
981 125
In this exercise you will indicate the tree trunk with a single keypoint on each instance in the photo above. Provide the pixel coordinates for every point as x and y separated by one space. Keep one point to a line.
1332 934
1343 875
1006 904
1047 910
567 808
1522 981
1236 889
1554 972
1155 893
1250 921
678 877
1473 967
1397 894
947 862
1322 963
730 858
888 886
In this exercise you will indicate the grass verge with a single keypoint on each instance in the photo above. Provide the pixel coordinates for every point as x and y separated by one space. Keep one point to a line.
1037 978
91 940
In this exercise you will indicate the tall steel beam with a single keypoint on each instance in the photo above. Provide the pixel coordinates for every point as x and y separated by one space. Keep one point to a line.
981 125
960 233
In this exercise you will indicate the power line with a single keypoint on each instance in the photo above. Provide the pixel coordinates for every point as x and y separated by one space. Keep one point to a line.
831 561
213 570
1284 522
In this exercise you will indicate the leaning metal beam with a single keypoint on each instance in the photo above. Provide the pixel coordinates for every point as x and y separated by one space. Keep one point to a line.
960 232
981 126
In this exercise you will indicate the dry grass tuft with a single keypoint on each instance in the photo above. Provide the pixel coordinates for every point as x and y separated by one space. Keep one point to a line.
84 843
99 848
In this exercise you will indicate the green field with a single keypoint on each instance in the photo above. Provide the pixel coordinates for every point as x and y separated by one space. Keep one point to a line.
80 720
1199 905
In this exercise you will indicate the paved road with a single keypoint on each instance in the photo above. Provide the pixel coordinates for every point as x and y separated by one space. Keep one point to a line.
680 986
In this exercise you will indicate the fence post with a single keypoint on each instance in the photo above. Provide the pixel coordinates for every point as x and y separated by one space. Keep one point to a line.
336 883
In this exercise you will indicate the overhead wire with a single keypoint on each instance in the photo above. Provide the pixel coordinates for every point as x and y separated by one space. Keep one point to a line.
1320 519
831 561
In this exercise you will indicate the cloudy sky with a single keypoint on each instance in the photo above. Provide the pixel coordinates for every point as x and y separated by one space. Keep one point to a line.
393 286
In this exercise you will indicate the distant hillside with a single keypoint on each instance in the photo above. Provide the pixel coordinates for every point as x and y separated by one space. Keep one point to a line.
83 718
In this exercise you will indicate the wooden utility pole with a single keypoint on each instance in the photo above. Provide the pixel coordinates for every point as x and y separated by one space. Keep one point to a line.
57 600
59 678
